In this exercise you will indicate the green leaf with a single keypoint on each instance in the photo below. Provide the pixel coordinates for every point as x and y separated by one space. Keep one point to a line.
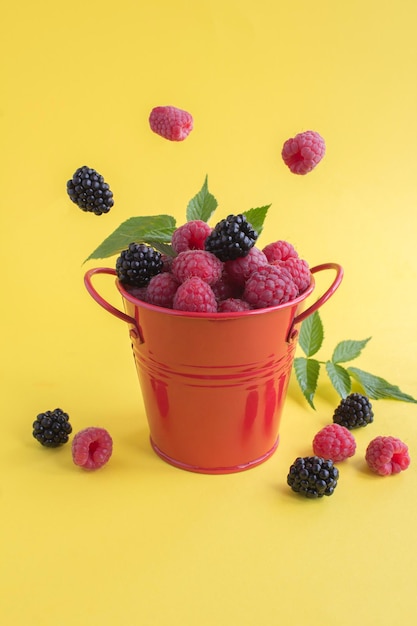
142 229
311 334
348 350
203 205
307 374
164 248
256 217
339 377
378 388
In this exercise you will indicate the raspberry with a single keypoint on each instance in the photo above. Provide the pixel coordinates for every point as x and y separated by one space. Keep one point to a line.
166 263
334 442
387 455
88 190
161 290
313 477
52 428
92 448
269 286
299 270
354 411
171 123
140 293
241 268
197 263
190 236
231 238
195 295
279 251
233 305
226 288
136 265
303 152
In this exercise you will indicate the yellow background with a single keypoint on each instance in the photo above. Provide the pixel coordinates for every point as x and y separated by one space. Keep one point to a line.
140 542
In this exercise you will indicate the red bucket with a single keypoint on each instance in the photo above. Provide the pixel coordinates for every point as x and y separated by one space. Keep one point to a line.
214 384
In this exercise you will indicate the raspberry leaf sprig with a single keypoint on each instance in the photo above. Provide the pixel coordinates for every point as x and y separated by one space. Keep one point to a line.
307 369
157 230
202 205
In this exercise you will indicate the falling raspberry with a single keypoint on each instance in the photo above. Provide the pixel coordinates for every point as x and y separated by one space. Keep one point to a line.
92 448
387 455
334 442
303 152
171 123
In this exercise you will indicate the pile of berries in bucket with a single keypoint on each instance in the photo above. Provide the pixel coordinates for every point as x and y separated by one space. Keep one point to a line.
214 270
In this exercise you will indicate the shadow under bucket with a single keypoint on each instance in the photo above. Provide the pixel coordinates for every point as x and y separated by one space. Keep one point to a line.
214 384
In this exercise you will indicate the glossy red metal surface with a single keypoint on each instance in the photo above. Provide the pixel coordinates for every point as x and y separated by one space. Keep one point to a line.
214 385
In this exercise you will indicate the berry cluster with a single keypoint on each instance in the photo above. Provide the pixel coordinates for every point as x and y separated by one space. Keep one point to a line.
215 270
335 442
91 447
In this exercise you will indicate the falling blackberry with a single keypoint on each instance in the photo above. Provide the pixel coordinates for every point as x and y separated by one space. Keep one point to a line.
136 265
313 477
231 238
52 428
354 411
88 190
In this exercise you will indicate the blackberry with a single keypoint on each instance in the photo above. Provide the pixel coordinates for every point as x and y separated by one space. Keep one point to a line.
136 265
52 428
89 191
313 477
354 411
231 238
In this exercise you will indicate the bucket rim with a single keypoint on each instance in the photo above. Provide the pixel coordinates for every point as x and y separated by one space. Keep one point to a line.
218 315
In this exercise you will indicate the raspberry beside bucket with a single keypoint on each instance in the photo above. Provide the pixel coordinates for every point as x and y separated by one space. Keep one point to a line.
92 448
387 455
334 442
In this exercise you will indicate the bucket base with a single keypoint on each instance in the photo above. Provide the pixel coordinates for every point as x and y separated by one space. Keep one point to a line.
215 470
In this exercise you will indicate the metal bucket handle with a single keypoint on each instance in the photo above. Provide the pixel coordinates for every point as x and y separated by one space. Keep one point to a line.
297 320
99 299
318 303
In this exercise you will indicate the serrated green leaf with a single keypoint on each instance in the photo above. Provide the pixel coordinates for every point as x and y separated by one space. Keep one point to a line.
378 388
142 229
348 350
339 377
202 205
307 373
311 334
256 217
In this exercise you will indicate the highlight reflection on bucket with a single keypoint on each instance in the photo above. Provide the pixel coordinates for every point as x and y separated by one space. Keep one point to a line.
214 384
